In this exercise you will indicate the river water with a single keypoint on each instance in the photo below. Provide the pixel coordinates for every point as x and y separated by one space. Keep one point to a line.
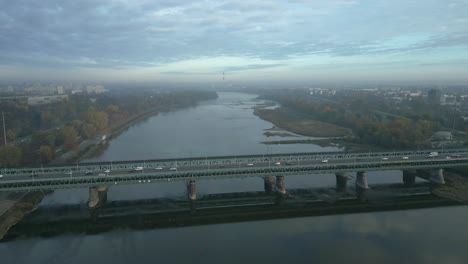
227 126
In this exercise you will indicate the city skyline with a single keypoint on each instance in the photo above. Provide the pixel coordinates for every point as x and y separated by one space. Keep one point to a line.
310 41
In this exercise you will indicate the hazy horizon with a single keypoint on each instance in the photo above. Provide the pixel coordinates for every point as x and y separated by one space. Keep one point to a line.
298 41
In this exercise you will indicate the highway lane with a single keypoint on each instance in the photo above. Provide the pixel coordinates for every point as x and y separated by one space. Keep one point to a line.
265 163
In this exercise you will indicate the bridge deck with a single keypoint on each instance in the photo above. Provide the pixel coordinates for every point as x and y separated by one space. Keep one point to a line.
136 172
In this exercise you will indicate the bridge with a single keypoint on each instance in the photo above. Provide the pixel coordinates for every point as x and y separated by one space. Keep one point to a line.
104 174
219 208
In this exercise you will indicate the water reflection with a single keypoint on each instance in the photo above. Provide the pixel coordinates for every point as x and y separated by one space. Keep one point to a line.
413 236
101 215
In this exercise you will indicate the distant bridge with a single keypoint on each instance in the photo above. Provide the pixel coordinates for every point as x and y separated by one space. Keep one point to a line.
413 163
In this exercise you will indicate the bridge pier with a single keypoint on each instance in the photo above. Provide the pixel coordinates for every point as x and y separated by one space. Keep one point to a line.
280 184
191 190
409 177
437 176
361 193
361 179
97 196
341 181
269 183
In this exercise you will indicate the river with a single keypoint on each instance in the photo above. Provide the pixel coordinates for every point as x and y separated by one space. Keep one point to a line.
227 126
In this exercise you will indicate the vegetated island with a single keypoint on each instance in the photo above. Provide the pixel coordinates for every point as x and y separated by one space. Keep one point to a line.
299 123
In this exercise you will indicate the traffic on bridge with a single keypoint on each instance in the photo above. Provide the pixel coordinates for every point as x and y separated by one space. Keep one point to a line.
191 169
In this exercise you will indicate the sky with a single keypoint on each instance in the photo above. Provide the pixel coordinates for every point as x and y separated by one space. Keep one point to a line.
264 40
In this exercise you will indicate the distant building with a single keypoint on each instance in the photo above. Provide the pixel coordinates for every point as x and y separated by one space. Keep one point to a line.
433 96
76 91
321 91
40 100
59 89
415 94
95 89
448 99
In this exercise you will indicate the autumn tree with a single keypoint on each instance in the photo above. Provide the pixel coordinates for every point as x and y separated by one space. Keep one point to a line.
11 135
88 131
98 119
10 156
70 138
46 153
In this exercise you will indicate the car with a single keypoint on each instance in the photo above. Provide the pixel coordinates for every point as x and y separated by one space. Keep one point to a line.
69 172
222 166
455 156
288 163
173 168
139 168
107 171
448 157
249 164
384 158
158 168
325 161
101 174
88 172
1 176
277 163
405 157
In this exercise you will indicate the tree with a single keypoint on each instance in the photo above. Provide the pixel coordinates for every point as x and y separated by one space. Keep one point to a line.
11 135
46 153
98 119
10 156
70 138
112 109
88 131
50 140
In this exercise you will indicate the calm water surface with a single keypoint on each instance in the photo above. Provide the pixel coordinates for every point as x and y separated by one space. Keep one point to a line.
226 126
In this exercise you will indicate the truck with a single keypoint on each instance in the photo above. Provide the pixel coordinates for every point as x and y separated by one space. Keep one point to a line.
433 154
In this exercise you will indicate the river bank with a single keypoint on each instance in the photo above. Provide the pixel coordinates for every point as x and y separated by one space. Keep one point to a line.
287 121
114 132
93 147
21 205
300 123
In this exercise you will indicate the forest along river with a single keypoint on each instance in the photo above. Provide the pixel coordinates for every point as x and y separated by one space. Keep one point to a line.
227 126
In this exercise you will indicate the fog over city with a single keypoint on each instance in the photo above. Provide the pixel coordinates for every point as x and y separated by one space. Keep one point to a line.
196 41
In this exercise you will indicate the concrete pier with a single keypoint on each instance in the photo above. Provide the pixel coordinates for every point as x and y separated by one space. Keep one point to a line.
341 181
361 179
280 184
361 193
191 190
269 184
409 177
97 196
437 176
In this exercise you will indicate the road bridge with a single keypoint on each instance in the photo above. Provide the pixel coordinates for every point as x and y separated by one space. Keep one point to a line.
105 174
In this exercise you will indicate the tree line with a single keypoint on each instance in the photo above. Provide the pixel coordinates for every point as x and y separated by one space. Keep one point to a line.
48 130
357 113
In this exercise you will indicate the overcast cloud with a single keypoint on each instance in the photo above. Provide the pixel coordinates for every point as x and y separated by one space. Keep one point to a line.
197 40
